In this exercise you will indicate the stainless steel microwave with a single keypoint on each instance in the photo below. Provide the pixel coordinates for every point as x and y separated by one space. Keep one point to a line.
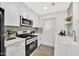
25 22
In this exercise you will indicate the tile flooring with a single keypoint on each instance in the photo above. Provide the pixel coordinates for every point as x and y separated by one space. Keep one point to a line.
44 50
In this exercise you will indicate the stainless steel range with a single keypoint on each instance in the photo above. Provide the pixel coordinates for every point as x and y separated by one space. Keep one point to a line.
31 42
31 45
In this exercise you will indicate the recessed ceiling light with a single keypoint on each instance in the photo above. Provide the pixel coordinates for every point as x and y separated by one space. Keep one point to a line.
45 8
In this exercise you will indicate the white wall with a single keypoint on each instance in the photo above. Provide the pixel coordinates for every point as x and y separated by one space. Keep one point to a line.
60 23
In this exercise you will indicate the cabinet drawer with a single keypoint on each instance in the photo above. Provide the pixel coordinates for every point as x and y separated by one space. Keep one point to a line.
16 48
16 52
16 45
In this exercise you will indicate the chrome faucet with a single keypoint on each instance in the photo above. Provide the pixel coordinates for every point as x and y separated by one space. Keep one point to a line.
74 35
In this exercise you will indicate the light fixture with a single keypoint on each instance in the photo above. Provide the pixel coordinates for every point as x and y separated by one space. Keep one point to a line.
45 8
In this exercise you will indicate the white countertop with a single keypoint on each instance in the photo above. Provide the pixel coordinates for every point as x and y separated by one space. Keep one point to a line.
14 41
66 46
66 40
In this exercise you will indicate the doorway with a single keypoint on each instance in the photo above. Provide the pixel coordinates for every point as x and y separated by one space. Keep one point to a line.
49 31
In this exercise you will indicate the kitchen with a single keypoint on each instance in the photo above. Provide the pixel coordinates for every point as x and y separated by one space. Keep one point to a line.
27 27
21 22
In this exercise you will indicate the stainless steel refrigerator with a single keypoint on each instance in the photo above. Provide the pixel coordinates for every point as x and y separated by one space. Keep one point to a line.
2 48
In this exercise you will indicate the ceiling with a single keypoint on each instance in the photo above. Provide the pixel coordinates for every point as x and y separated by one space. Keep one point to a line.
42 8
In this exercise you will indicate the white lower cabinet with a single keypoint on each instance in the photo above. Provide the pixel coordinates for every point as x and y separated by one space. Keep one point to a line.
39 40
17 49
66 46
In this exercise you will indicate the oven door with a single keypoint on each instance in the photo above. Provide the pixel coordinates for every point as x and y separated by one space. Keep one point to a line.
31 47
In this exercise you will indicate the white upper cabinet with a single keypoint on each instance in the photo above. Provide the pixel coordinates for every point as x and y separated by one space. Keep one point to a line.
29 14
35 19
24 11
12 13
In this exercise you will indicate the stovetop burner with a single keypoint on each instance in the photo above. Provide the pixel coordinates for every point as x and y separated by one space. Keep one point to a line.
27 36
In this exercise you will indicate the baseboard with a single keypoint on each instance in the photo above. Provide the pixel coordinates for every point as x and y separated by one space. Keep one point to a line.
48 45
40 45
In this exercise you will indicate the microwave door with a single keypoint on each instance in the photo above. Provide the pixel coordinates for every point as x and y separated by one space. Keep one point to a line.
25 22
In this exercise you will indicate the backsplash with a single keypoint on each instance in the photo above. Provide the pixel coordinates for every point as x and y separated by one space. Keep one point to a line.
16 28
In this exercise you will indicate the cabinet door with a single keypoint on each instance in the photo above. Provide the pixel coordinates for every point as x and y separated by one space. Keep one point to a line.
17 49
35 20
24 11
12 13
39 39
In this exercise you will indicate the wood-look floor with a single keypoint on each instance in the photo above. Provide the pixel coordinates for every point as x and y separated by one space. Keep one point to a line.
44 50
